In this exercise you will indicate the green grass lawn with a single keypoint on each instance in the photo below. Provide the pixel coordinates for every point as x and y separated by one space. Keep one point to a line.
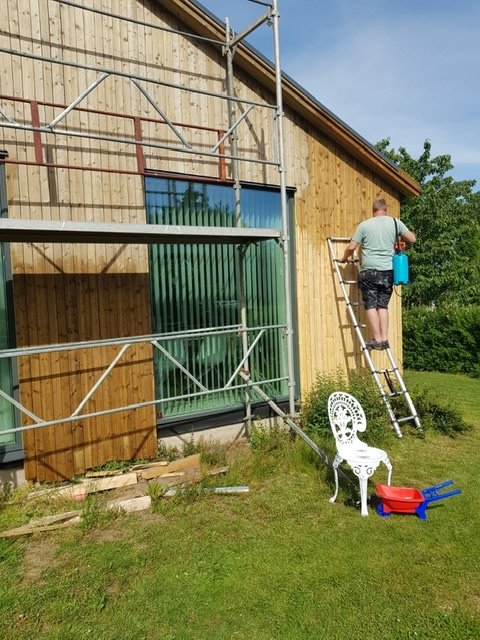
280 562
461 391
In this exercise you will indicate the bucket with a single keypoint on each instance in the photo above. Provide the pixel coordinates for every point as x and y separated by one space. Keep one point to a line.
400 268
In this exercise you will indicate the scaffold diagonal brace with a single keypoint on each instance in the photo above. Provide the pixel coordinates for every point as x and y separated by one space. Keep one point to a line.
7 117
102 378
178 365
161 113
244 359
231 129
78 100
21 408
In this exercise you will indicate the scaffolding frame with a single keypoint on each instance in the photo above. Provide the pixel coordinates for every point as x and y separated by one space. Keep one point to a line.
66 231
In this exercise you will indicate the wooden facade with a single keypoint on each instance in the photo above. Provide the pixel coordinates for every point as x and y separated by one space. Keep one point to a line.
80 292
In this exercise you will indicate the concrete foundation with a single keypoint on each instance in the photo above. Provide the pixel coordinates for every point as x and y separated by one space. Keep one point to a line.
13 475
177 437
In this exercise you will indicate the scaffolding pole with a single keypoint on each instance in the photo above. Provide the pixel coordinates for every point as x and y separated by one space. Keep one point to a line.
229 52
285 218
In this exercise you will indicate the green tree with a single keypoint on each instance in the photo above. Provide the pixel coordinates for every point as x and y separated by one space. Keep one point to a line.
445 261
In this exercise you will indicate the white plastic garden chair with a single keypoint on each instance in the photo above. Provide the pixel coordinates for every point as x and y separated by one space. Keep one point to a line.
346 418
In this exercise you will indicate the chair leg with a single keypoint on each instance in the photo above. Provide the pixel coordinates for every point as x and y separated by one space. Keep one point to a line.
335 473
363 496
388 464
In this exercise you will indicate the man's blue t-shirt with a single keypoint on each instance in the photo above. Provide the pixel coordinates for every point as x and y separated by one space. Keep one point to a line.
377 237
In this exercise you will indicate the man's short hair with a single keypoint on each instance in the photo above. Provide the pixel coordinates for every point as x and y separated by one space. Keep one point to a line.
380 205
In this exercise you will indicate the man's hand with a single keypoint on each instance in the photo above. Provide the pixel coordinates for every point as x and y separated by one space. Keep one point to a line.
349 251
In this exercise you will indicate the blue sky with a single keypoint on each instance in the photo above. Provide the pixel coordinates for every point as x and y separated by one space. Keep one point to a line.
408 70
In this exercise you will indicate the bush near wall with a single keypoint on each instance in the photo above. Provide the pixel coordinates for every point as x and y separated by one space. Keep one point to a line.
443 339
314 413
433 412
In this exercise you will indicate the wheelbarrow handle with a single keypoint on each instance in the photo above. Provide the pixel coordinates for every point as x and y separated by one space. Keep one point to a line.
435 497
436 487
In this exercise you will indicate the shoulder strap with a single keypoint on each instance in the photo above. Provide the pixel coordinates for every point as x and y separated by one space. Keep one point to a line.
398 239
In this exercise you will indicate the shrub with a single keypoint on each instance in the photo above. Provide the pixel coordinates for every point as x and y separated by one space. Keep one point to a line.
314 413
443 339
433 414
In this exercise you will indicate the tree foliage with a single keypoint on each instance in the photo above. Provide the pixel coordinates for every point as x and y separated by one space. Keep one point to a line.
445 261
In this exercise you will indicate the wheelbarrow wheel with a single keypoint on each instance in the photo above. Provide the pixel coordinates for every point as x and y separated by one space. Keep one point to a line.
381 511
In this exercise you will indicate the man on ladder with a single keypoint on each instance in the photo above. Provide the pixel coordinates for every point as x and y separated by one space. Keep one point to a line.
377 236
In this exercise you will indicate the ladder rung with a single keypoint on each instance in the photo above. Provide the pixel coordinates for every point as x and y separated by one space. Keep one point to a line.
395 394
406 419
349 281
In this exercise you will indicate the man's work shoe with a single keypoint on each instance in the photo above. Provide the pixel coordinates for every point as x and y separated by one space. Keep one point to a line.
373 344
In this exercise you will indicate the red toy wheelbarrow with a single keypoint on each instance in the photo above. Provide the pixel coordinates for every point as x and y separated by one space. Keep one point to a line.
409 500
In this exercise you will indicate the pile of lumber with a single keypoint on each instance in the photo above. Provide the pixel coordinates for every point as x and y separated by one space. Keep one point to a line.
166 474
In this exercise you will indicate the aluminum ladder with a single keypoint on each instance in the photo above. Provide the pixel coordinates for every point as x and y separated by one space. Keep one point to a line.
391 374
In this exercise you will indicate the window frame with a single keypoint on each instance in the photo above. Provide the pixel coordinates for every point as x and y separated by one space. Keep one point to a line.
214 417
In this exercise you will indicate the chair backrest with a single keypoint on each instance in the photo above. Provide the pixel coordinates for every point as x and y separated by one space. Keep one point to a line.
346 418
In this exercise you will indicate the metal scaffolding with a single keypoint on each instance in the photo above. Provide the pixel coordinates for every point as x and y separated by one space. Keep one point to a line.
67 231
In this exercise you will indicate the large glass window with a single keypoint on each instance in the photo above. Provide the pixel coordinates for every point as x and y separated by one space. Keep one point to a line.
196 287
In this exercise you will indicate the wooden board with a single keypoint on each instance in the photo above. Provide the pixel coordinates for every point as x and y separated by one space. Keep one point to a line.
183 464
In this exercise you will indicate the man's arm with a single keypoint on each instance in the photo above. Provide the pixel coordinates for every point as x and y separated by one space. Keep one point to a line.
409 236
349 250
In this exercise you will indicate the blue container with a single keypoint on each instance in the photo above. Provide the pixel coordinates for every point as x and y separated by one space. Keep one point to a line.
400 268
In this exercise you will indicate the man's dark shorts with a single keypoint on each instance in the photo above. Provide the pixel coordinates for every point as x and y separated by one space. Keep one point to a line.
376 287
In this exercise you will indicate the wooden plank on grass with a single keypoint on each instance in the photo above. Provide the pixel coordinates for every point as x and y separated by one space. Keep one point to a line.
179 477
93 485
36 528
58 517
87 485
71 491
132 504
183 464
150 465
